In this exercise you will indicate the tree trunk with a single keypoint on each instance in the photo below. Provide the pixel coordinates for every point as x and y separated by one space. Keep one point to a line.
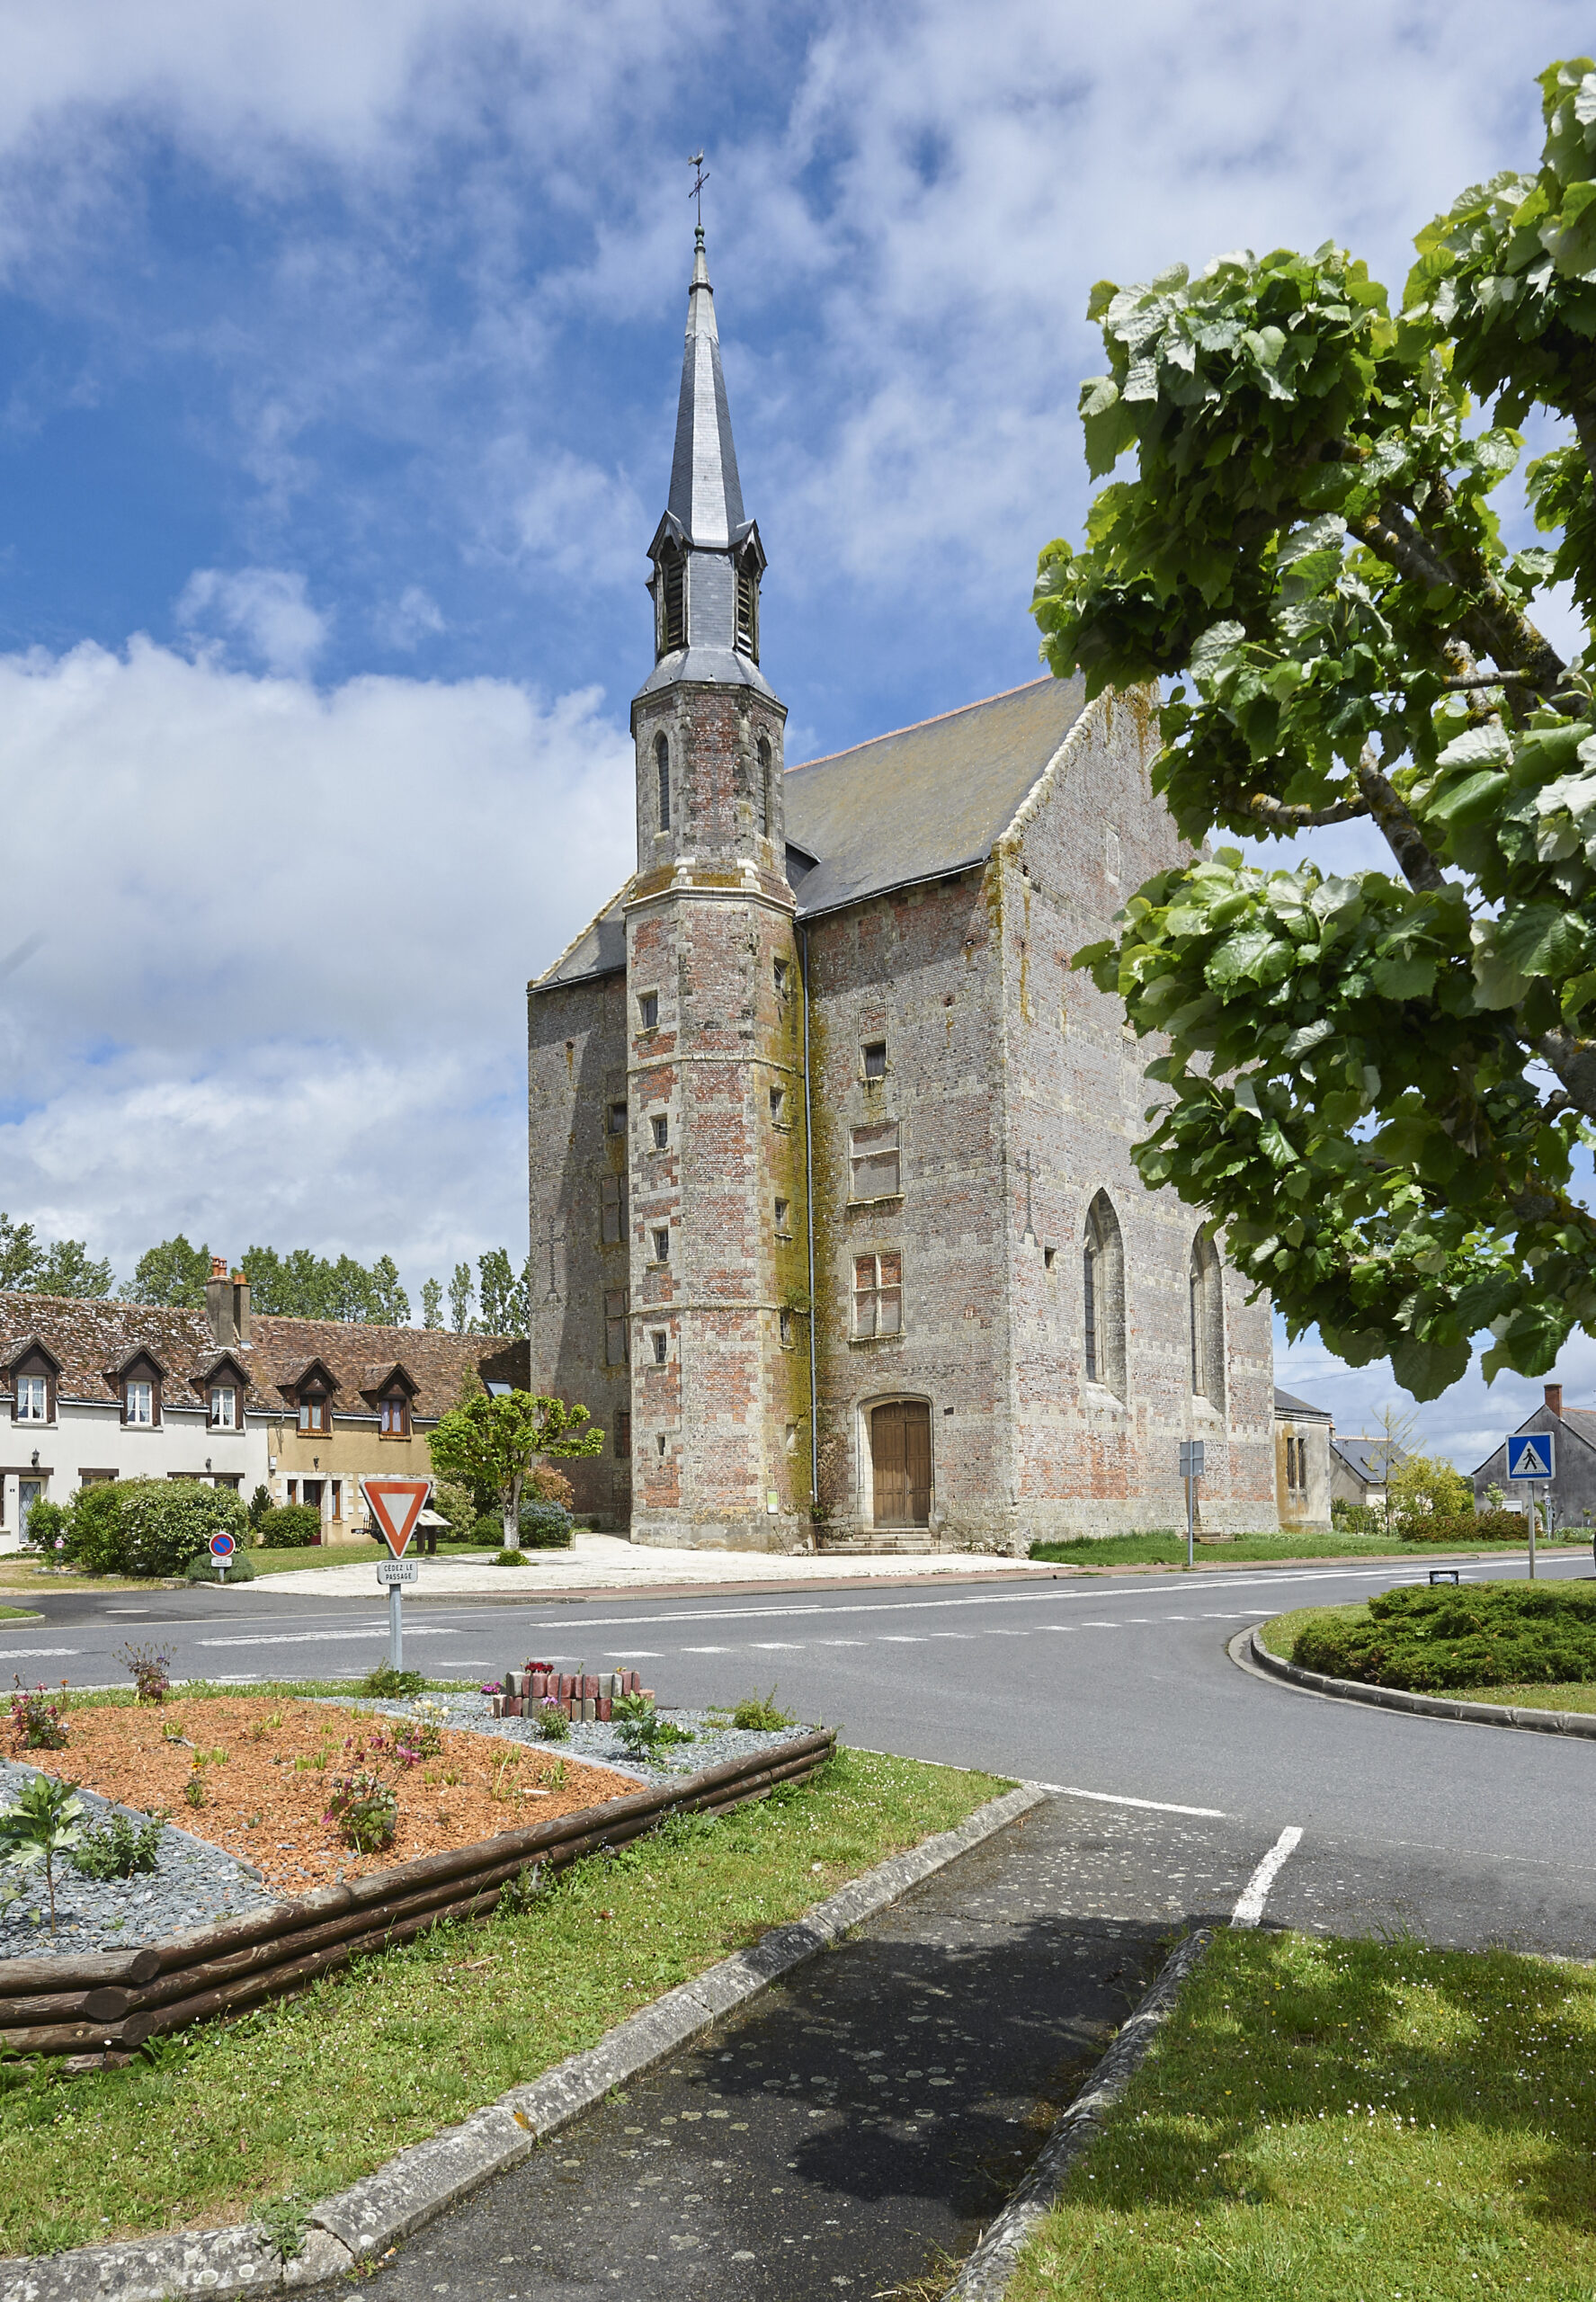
512 1513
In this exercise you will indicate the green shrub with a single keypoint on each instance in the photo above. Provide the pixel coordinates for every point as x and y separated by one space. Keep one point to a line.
47 1525
488 1532
508 1558
148 1526
119 1848
240 1568
1465 1527
545 1526
1356 1518
389 1685
260 1502
291 1526
757 1714
1462 1635
458 1504
553 1722
640 1728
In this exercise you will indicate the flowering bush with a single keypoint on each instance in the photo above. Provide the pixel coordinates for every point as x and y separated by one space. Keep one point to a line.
149 1670
36 1721
364 1805
553 1721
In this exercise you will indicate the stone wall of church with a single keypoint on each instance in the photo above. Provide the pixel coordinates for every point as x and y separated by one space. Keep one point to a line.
576 1079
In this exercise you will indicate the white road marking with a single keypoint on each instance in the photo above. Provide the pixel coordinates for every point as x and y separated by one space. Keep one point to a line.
830 1642
966 1635
641 1654
27 1653
899 1639
311 1637
1097 1626
1255 1893
775 1646
706 1650
1120 1798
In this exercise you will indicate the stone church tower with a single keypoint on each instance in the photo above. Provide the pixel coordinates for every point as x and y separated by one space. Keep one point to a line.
837 1228
715 1169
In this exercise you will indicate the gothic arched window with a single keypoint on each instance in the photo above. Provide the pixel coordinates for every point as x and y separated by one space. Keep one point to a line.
1207 1294
1102 1297
662 768
764 793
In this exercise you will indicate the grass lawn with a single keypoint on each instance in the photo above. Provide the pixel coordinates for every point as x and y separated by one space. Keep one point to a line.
298 2099
1342 2121
20 1614
1162 1547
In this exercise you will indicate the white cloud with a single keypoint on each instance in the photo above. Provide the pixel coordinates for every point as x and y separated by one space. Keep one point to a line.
586 524
279 995
413 617
265 608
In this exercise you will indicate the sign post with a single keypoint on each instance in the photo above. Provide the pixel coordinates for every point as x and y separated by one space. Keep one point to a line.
1531 1458
221 1550
396 1504
1191 1471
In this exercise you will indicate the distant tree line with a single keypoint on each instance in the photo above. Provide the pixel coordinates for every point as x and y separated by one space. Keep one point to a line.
295 1285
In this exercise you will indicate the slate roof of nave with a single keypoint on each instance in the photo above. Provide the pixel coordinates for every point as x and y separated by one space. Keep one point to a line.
919 804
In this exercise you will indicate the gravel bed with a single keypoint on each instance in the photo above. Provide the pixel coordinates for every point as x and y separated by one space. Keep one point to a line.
191 1883
598 1745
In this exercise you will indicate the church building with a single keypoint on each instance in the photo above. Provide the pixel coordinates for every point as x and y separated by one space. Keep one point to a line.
832 1200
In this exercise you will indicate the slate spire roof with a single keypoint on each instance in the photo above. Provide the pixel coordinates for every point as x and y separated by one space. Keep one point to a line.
706 498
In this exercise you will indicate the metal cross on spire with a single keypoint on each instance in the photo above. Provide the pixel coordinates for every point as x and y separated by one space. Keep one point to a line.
700 177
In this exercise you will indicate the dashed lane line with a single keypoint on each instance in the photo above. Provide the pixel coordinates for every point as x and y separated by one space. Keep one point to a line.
27 1653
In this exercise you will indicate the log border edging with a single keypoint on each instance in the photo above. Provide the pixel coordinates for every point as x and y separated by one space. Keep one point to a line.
428 2177
1579 1724
99 2005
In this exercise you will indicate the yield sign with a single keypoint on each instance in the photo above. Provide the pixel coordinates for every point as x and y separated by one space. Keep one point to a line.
396 1505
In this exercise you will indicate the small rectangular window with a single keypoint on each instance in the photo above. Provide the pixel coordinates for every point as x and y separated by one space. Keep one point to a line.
315 1416
874 1056
779 968
648 1009
138 1404
658 1339
623 1430
395 1413
612 1211
662 1245
779 1105
873 1153
661 1131
783 1213
335 1499
32 1398
618 1119
616 1325
223 1407
784 1328
878 1294
660 1442
293 1490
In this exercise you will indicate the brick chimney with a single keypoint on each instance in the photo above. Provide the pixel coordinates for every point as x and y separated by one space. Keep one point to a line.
241 1305
1554 1398
219 1305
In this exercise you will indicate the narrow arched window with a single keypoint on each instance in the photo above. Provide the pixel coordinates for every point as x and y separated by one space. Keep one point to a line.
764 795
662 768
747 632
1205 1287
1102 1298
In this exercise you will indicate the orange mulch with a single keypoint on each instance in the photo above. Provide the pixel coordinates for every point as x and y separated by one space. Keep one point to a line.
270 1767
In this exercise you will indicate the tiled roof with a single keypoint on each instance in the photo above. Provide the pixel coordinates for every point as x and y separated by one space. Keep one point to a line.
918 804
1368 1458
91 1339
1298 1410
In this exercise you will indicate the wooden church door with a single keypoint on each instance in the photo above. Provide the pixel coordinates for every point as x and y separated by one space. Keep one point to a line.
900 1463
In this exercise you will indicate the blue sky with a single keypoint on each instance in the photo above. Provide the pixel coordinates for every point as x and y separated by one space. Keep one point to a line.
338 356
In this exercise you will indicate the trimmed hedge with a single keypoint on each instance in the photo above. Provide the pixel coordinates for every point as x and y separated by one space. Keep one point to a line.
1465 1527
1465 1634
147 1526
291 1526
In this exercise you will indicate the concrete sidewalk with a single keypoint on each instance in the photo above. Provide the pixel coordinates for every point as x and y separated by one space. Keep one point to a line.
600 1563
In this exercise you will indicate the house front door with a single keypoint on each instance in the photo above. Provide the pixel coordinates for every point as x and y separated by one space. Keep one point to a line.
312 1490
29 1491
900 1463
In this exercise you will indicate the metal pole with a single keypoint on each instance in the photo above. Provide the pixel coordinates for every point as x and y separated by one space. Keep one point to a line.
396 1626
1532 1534
1190 1523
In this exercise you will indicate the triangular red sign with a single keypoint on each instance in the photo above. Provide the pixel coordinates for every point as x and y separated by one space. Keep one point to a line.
396 1504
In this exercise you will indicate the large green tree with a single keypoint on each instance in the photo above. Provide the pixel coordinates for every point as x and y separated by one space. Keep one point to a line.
492 1441
173 1274
64 1267
1378 1080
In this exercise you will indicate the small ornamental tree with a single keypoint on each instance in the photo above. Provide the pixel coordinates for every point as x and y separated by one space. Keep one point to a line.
1377 1082
494 1441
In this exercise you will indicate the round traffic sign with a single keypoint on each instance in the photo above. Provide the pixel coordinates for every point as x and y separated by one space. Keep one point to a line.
222 1546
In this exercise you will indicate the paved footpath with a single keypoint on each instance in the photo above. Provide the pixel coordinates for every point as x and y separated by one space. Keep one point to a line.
859 2126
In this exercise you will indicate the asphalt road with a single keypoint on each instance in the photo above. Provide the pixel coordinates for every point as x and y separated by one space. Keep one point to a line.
1117 1692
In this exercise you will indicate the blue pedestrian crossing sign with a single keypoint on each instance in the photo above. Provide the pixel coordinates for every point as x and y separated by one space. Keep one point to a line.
1529 1455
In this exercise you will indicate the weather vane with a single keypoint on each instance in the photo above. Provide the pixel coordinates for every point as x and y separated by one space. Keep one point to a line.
700 177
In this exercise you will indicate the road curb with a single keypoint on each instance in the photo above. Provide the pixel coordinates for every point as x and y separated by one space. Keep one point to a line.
421 2181
1581 1725
987 2272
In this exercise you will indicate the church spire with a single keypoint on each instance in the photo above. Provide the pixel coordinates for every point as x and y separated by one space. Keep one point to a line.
707 557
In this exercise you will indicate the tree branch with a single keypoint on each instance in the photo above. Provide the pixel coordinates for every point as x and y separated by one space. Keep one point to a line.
1281 817
1493 625
1403 835
1584 423
1574 1062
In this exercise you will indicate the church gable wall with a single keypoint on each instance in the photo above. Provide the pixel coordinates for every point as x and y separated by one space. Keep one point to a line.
1098 1455
916 973
576 1073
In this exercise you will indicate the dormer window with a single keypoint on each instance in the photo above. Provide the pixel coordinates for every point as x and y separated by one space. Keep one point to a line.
32 1398
139 1406
315 1414
394 1415
671 593
747 631
224 1406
